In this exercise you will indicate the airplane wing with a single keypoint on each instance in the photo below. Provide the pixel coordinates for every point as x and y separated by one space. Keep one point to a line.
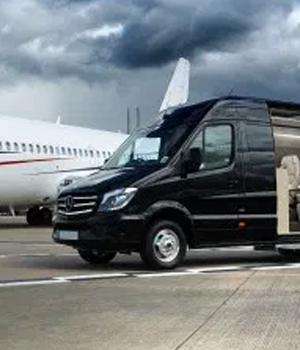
178 89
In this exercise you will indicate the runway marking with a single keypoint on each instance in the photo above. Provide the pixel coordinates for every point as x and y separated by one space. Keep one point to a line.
35 255
116 275
164 274
287 266
32 243
89 277
30 283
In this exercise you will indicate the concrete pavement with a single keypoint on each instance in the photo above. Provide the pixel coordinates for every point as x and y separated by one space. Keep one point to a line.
219 299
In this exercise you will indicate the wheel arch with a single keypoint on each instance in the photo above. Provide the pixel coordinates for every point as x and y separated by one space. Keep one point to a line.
172 211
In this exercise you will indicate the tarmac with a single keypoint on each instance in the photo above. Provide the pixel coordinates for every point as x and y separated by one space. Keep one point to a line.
233 298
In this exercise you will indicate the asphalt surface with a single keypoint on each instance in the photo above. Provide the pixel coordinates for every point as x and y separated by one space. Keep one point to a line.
219 298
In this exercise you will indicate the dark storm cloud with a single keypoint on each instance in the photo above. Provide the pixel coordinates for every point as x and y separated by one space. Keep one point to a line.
90 60
94 40
154 44
170 29
50 40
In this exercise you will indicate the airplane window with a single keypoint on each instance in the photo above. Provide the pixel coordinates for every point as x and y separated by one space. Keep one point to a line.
45 149
31 148
80 152
103 154
63 151
7 144
69 151
1 145
57 150
109 154
24 147
98 154
75 152
16 147
86 152
91 153
51 149
38 148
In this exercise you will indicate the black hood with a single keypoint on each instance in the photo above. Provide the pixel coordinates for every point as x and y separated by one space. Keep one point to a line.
108 180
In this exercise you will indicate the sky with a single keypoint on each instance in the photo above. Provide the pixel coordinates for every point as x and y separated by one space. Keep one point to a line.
90 60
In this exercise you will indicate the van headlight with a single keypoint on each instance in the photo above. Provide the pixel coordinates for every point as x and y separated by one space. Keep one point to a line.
117 199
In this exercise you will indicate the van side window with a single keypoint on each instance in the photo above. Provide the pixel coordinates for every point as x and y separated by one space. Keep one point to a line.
217 146
259 137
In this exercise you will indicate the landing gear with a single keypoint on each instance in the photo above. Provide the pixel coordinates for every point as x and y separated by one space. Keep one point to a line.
39 217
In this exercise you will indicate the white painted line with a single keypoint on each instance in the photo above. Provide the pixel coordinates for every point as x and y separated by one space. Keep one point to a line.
34 255
30 283
217 269
186 272
97 276
225 249
164 274
277 267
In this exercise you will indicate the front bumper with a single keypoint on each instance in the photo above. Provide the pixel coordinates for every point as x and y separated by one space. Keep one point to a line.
101 231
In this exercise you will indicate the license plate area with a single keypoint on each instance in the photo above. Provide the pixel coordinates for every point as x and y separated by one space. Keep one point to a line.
68 235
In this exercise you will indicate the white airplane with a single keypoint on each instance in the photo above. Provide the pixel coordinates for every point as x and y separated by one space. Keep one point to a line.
38 158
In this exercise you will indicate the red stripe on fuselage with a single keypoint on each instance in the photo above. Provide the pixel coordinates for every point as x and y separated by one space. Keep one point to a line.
26 161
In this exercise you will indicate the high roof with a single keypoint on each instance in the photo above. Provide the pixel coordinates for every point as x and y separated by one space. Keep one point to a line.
281 106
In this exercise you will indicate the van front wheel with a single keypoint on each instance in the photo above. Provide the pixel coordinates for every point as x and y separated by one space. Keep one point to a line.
164 246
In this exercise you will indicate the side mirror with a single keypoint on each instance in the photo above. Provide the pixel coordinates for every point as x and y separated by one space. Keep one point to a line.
192 162
195 159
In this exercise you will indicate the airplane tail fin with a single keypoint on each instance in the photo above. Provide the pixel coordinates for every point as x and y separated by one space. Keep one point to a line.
178 89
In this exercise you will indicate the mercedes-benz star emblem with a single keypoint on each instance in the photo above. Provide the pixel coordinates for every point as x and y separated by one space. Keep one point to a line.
69 203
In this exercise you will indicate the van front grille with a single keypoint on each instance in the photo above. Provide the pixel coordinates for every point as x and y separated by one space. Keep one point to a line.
76 205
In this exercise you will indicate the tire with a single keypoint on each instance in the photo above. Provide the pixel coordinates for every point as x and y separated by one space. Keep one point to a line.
161 236
39 217
33 217
96 257
45 217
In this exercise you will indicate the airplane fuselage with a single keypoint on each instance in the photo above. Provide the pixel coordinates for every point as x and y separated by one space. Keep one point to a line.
35 157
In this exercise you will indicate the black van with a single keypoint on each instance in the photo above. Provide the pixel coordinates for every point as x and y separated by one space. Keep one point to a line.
202 175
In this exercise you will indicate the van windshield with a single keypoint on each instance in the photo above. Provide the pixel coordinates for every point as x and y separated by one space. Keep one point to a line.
153 146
